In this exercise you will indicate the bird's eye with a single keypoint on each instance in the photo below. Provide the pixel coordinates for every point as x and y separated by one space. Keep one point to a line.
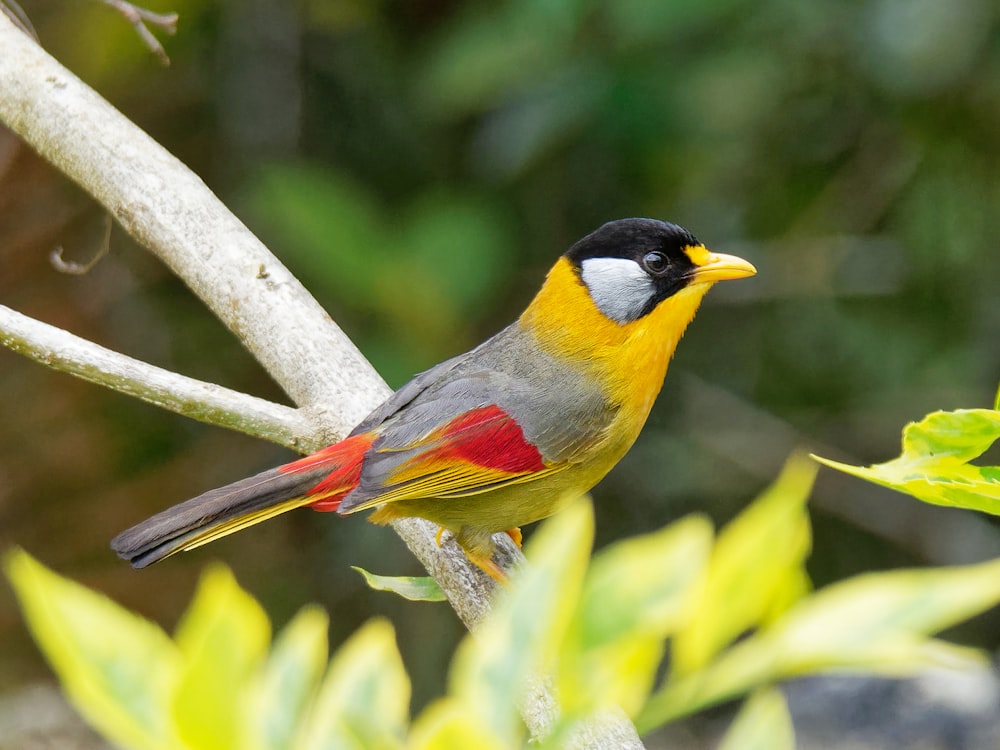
656 263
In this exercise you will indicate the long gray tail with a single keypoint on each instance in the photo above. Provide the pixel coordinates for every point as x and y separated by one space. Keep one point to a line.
215 514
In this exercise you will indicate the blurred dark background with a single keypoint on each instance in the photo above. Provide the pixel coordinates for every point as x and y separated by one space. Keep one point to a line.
421 164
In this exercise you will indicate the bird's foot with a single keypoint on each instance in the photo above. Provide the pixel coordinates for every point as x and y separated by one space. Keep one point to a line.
486 564
515 535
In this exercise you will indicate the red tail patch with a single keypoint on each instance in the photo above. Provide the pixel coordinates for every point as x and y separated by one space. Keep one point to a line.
343 460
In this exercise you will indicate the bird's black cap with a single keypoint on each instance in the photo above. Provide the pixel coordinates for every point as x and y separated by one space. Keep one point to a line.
632 239
658 247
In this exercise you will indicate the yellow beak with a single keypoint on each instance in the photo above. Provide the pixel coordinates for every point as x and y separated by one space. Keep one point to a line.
719 267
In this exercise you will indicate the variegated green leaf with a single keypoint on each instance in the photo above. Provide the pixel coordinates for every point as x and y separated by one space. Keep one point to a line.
118 669
414 588
935 463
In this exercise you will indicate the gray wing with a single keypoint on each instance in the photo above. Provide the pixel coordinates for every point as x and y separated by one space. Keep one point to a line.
559 411
557 406
408 392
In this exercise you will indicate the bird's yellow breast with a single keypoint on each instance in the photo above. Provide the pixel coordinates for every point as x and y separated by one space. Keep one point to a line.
629 360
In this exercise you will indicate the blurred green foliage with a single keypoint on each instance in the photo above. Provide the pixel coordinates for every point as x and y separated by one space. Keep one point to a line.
411 273
596 632
763 723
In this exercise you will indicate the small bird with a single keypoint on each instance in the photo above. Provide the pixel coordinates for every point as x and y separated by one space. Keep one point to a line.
507 433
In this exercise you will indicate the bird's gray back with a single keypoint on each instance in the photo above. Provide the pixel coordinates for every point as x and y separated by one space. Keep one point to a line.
559 409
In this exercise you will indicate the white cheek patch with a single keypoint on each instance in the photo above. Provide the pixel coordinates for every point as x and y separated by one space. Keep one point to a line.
619 287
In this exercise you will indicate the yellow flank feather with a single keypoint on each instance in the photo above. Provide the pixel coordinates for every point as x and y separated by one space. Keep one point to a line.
211 533
463 480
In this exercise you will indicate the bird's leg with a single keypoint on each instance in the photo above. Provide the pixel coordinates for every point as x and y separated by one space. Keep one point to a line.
486 564
479 547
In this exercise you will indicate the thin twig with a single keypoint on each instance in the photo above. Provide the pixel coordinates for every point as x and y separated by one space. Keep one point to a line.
79 269
139 17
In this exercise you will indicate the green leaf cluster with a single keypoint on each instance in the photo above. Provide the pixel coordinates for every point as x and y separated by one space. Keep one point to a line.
734 610
219 683
935 464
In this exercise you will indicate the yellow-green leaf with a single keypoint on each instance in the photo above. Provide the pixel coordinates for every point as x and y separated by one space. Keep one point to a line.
643 584
283 691
223 637
414 588
364 700
756 566
621 674
635 594
763 723
934 463
879 621
522 637
118 669
447 725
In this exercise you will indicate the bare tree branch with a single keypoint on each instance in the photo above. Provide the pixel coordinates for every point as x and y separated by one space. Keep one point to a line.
168 209
206 402
16 14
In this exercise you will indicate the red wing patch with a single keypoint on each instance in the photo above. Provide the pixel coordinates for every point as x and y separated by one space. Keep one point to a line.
490 438
477 451
479 448
344 460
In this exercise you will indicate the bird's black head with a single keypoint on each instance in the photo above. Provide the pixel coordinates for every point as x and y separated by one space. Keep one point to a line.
629 266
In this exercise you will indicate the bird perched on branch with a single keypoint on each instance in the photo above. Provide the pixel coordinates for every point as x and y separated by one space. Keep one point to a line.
506 433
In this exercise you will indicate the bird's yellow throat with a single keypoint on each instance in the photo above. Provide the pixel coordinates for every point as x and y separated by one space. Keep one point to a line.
630 359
